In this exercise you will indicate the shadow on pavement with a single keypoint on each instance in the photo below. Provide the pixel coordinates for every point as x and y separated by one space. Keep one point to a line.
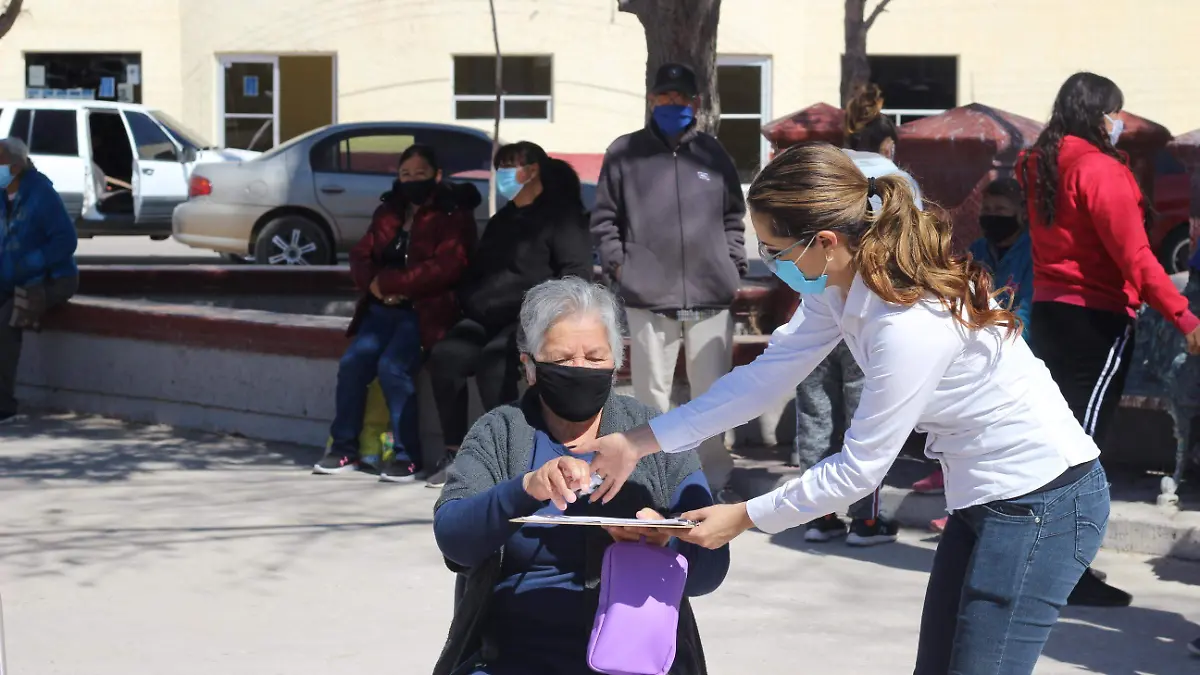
1132 637
1177 570
898 555
77 447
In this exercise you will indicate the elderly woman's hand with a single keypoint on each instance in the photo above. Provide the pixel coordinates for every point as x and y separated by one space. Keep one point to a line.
616 456
557 480
653 535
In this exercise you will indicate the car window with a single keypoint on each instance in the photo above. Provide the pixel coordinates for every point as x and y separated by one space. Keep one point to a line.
20 126
183 135
372 153
458 152
151 141
54 132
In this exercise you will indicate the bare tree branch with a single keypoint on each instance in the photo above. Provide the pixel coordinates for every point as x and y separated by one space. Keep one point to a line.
9 17
875 14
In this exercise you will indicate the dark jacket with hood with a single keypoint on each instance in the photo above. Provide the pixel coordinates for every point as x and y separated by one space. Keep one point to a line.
520 248
37 235
669 222
500 448
438 242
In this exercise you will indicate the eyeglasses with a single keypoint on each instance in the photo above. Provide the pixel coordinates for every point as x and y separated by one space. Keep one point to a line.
770 256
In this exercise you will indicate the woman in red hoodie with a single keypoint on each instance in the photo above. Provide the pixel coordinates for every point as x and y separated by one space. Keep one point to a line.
406 266
1092 264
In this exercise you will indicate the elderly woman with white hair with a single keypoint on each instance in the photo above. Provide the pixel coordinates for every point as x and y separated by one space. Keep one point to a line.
528 594
37 258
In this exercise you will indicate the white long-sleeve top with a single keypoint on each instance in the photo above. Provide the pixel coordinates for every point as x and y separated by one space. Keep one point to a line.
996 420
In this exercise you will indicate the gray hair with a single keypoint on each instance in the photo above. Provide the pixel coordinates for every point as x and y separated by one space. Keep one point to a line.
15 150
552 301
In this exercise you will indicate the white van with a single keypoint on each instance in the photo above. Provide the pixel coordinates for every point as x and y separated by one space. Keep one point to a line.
120 168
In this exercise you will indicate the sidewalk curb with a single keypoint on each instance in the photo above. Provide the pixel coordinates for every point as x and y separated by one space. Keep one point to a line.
1133 527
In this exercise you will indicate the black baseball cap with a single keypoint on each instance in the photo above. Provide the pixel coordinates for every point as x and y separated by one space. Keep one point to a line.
675 77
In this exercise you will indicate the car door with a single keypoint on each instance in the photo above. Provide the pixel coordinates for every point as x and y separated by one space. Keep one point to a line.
351 170
54 139
159 175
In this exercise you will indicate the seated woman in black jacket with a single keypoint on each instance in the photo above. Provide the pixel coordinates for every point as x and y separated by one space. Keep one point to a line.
541 234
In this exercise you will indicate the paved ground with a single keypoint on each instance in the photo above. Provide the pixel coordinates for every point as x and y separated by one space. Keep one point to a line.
128 550
141 251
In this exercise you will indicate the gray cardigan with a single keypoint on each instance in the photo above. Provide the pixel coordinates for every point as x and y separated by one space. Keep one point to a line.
500 447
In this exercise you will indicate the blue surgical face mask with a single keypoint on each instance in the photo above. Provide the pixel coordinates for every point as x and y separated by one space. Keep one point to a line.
790 274
507 183
6 176
1118 127
672 120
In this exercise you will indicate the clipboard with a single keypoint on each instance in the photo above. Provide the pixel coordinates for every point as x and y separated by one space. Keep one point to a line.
668 524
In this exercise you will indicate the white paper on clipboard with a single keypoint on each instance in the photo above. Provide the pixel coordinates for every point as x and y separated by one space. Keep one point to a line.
670 523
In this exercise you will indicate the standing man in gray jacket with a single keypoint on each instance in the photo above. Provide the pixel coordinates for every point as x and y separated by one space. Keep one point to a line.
668 223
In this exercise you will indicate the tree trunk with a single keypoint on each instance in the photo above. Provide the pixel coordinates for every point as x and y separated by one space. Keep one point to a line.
683 31
9 17
856 69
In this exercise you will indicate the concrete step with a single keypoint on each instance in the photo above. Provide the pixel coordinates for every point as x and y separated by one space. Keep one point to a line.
1136 524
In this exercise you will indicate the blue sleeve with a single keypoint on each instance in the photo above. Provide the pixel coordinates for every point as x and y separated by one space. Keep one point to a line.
469 530
706 567
980 252
1023 302
61 240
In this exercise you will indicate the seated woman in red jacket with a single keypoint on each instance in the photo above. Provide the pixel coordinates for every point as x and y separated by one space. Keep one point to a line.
1092 265
407 266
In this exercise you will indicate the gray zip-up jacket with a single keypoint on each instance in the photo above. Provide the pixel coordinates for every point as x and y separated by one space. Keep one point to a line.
668 222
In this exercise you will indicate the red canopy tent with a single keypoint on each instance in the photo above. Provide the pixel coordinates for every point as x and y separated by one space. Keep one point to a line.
817 122
955 155
1187 149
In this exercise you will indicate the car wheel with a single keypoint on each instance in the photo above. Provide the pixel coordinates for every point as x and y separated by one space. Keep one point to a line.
1173 252
293 240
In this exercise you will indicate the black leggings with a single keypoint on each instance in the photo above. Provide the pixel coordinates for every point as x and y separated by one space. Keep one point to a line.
469 350
1088 353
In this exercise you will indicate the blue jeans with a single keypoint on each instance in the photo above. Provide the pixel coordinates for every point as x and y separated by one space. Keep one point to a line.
387 346
1001 575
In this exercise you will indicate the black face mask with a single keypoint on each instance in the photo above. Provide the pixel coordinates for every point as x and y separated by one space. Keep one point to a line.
573 393
415 192
999 228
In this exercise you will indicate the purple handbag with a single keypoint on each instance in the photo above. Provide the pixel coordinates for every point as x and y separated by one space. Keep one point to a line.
636 626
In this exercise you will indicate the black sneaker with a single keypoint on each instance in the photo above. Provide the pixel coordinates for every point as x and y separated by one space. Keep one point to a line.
399 471
872 532
331 464
1194 647
825 529
8 418
438 479
1092 591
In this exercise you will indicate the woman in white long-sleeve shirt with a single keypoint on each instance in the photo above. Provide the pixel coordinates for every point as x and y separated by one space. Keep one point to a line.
1029 501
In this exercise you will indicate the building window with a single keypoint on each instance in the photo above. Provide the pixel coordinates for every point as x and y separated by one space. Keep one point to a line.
744 85
916 86
100 77
527 90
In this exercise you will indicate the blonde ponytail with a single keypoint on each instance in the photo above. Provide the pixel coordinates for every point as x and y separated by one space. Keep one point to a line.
903 253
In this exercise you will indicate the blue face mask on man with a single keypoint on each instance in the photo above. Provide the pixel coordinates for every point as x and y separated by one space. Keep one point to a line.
507 183
790 274
6 176
672 119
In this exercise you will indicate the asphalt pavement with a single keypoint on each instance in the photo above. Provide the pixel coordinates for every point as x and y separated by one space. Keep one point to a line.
129 549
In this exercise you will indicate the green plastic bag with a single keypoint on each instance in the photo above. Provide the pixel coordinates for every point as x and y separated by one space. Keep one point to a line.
374 443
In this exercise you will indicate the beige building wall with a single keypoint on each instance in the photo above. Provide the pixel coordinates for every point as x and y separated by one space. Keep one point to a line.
151 27
394 59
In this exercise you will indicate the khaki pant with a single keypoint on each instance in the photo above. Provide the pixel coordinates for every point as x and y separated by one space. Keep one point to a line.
708 352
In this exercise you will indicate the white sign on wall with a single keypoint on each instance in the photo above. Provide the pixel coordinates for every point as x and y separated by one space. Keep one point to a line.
37 76
133 74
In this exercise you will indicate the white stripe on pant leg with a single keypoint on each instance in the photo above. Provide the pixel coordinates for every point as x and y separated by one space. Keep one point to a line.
1106 375
1120 347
